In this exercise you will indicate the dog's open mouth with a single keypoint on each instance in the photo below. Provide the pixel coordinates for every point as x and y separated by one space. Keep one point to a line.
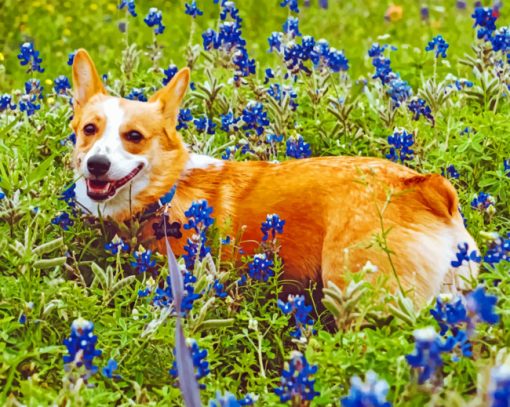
100 190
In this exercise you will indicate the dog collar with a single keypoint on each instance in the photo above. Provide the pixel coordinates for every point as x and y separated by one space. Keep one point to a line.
160 203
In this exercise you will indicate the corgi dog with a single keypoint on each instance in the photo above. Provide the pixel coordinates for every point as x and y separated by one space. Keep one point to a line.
339 212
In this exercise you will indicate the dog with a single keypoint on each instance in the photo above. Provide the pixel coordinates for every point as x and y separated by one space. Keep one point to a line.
340 212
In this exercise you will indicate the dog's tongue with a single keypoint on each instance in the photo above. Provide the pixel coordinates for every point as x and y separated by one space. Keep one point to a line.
100 189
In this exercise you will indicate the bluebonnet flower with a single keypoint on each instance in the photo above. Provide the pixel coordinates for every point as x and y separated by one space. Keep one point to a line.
61 85
337 61
292 4
228 8
163 297
427 353
424 13
461 4
499 388
170 72
69 196
254 117
261 267
6 102
130 6
184 117
296 306
291 27
449 312
81 346
463 83
268 74
501 40
143 261
137 94
438 45
297 147
275 41
204 123
481 306
192 9
28 104
33 88
71 138
498 251
2 194
229 122
484 203
452 172
296 382
245 66
110 367
200 363
380 62
63 220
229 400
485 18
155 19
506 167
420 108
401 141
279 93
464 255
371 393
115 245
399 91
29 56
273 138
70 58
199 220
271 226
219 289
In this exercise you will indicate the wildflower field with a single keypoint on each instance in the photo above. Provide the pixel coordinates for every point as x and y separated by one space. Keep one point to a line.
87 313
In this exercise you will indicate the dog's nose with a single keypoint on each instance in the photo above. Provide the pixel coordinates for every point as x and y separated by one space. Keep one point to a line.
98 165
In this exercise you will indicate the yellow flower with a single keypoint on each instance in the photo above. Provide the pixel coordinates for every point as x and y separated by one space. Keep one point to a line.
1 57
93 6
69 19
66 32
48 82
394 13
50 8
111 7
51 101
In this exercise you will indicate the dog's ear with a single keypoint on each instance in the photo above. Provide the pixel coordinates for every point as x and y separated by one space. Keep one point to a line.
86 81
170 97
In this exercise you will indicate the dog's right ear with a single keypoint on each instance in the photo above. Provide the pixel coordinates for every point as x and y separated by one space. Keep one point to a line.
86 81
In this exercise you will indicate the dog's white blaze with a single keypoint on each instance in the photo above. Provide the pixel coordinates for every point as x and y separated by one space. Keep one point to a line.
122 163
200 161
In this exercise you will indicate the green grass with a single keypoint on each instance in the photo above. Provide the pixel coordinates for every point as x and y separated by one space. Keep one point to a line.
375 329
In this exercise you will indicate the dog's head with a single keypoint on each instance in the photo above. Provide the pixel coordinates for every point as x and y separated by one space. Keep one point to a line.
120 142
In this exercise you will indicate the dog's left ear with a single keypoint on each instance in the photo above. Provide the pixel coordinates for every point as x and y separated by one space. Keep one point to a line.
170 97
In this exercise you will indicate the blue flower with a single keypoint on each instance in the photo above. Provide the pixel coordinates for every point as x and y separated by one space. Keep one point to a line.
192 9
427 353
401 141
297 147
29 56
6 102
261 267
170 72
199 219
110 367
229 122
137 94
506 167
184 117
485 18
463 83
419 108
481 305
275 41
33 88
371 393
268 74
219 289
116 244
204 123
439 45
70 58
81 346
498 251
292 4
254 117
163 297
69 196
229 400
291 27
463 255
228 8
61 85
155 19
279 94
297 383
399 91
130 4
501 40
143 261
200 363
452 172
450 313
63 220
271 226
499 388
484 203
296 306
244 65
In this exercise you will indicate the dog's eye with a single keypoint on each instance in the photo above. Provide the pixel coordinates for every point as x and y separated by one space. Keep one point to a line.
133 136
90 129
